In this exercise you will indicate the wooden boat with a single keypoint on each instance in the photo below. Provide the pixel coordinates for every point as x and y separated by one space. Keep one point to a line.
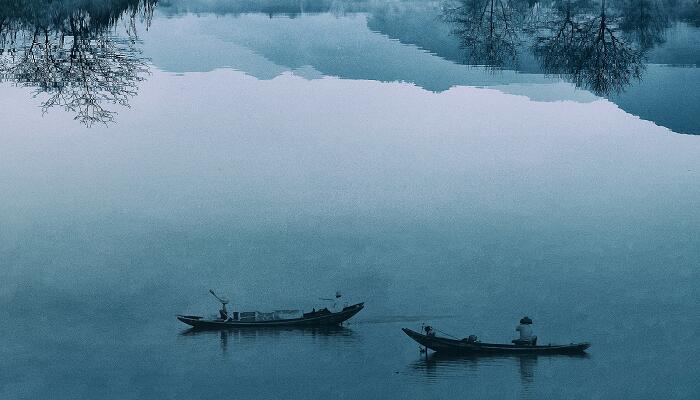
454 346
322 317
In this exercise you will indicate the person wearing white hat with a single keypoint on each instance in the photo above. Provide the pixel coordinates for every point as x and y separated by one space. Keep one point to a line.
525 330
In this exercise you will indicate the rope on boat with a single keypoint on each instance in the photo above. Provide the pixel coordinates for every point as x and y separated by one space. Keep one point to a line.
422 329
447 334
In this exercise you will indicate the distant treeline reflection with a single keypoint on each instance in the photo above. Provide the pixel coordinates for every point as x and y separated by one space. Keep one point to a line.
76 54
83 55
597 45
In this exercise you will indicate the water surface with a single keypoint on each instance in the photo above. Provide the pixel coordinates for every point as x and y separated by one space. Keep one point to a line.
278 152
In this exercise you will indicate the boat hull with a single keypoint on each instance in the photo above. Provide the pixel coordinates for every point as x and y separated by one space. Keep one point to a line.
452 346
331 319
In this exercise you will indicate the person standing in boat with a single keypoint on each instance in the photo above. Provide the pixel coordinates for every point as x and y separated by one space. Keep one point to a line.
525 330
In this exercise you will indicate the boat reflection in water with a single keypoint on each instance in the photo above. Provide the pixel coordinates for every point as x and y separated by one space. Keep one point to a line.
265 336
435 367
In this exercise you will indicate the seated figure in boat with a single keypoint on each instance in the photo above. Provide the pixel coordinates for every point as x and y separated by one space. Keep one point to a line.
429 331
223 313
525 329
471 339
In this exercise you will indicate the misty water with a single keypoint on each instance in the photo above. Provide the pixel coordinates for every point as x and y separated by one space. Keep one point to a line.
279 151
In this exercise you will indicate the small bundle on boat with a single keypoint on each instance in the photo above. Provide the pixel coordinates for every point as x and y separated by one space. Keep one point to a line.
318 313
250 316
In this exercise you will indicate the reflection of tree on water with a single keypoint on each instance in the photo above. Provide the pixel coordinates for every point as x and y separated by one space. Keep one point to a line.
588 48
645 21
689 12
595 45
70 52
557 39
487 29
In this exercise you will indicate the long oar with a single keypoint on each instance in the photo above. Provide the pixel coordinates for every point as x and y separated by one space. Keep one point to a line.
223 301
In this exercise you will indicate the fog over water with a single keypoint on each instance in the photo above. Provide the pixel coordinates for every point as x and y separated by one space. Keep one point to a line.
256 160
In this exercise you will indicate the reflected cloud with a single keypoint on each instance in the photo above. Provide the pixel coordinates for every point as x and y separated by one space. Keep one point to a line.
72 54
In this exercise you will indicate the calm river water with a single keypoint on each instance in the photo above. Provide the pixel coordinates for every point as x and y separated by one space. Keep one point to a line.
400 152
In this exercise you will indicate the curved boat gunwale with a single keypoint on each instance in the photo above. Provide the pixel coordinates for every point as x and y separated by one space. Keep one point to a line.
334 318
445 345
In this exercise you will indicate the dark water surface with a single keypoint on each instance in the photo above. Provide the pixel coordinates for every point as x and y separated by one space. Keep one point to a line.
280 151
